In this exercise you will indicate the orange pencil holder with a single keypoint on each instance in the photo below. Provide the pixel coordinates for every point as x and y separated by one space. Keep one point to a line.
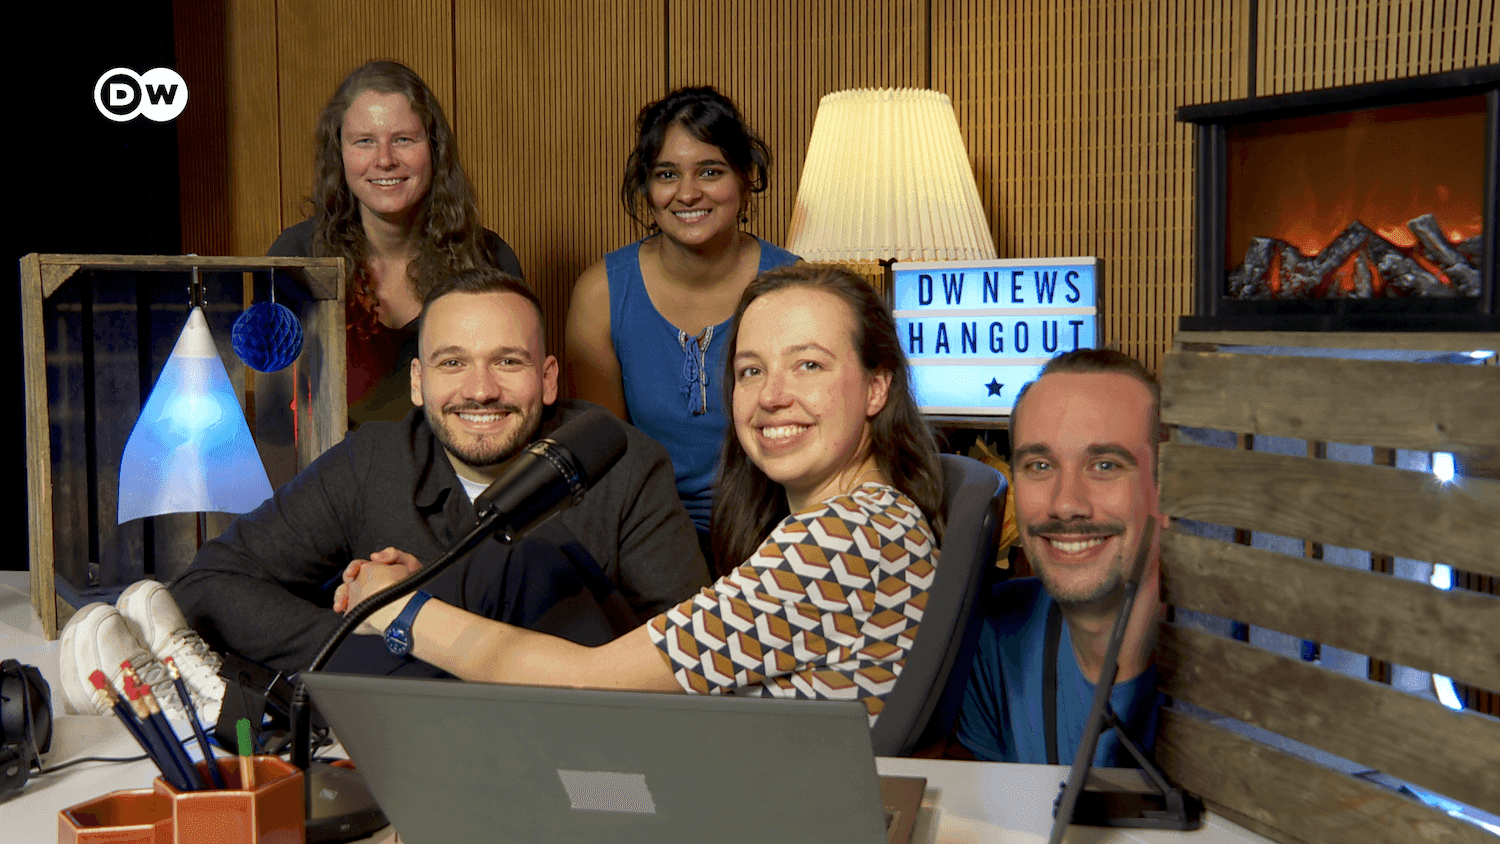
271 813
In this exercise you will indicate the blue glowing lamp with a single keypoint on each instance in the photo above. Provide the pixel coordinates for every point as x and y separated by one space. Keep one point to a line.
191 449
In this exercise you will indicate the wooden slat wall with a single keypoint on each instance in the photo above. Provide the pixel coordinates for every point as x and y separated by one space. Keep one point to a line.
1366 722
1370 507
1066 109
1292 800
1065 106
319 41
1307 45
230 183
780 60
547 97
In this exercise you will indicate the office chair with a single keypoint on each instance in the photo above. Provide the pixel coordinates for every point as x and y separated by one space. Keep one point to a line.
926 698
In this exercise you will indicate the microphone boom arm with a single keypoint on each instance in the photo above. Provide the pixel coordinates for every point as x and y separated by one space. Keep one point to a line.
301 715
550 475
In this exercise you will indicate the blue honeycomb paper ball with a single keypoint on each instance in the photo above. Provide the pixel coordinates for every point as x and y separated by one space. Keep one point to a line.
267 337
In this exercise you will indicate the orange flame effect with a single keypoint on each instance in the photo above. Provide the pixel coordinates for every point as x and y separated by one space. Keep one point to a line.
1304 180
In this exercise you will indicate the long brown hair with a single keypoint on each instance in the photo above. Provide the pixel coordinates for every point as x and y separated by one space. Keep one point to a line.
449 234
747 504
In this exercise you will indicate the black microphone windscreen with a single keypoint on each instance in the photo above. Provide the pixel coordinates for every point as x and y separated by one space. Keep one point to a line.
596 439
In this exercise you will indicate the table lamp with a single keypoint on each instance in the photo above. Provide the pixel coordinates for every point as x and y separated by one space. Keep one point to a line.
887 179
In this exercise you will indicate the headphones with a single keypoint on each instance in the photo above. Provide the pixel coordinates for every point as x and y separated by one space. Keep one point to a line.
26 715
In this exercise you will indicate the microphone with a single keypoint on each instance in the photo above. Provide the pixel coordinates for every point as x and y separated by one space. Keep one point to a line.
551 475
548 477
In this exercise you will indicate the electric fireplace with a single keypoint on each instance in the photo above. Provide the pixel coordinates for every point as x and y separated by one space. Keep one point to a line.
1365 208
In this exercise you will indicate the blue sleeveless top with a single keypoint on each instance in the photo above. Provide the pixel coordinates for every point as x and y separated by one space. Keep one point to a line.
672 388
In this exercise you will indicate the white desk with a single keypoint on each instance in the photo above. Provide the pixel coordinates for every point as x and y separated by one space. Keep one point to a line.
966 802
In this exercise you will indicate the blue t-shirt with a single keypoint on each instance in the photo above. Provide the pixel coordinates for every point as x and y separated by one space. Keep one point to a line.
672 386
1002 718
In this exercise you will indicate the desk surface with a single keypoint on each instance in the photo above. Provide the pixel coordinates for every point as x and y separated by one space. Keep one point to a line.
966 802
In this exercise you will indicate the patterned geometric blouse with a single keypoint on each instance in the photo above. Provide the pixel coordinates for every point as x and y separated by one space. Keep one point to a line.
827 607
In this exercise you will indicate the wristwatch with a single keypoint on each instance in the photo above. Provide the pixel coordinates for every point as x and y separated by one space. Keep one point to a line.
398 635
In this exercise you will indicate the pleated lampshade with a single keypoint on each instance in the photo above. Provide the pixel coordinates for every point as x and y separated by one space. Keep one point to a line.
887 178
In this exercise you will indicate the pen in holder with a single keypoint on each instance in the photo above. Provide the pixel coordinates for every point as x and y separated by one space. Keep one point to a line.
270 813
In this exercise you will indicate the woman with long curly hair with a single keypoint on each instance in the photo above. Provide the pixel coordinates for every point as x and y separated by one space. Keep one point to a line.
831 502
648 323
390 198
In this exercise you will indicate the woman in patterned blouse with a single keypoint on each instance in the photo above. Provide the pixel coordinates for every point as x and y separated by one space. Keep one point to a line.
830 493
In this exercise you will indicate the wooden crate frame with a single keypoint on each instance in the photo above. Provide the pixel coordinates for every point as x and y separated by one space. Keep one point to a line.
1378 508
320 423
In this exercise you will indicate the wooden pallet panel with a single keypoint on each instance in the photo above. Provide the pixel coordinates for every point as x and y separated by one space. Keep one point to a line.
1446 632
1374 508
1429 341
1364 722
1293 800
1440 407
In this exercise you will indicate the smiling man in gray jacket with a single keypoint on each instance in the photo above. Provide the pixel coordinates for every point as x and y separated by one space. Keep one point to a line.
485 389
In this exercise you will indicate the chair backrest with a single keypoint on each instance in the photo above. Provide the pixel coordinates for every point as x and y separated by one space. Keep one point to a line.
1318 546
973 495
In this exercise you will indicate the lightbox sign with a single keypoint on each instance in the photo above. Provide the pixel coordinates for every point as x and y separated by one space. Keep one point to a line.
977 331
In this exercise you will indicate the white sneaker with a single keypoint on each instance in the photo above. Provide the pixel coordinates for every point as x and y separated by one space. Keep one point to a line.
156 621
97 638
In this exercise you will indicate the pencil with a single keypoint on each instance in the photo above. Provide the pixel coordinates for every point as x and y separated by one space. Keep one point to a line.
247 751
192 714
104 695
164 759
168 735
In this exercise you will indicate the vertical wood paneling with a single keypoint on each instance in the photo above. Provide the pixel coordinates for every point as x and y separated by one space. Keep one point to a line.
777 59
231 175
1307 45
547 99
1066 107
320 41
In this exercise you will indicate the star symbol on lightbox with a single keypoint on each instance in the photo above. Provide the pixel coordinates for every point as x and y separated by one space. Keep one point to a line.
994 387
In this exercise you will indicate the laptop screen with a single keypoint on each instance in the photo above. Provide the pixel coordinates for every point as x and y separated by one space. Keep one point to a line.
452 761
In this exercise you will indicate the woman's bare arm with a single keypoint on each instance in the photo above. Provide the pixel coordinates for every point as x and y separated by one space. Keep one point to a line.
477 648
593 369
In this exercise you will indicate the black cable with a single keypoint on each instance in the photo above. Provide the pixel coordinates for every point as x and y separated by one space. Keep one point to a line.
55 768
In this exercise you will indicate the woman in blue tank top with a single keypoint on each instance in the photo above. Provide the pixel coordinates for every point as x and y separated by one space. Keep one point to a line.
647 326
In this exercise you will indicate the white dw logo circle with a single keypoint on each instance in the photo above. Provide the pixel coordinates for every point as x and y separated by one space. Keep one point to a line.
159 93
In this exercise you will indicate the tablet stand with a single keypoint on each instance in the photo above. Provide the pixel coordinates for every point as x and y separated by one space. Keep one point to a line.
1122 797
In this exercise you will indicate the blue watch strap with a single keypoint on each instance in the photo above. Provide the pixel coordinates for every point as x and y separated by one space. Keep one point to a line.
398 637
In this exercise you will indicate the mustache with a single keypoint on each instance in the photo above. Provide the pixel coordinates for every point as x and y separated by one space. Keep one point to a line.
474 405
1073 527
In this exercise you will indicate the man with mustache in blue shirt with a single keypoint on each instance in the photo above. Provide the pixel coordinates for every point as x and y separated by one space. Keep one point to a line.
1084 438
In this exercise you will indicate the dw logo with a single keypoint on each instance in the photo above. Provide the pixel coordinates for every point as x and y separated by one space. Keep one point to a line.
159 93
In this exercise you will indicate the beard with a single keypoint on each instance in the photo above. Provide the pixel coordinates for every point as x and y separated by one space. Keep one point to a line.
1107 588
1103 595
483 452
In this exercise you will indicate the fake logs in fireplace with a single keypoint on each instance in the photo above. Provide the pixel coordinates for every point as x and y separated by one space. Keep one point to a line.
1361 264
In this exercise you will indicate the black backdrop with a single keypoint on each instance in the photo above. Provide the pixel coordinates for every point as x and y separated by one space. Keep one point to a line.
86 184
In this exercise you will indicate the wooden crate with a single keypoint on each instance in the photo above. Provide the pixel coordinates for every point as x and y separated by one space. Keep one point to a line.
1387 511
96 331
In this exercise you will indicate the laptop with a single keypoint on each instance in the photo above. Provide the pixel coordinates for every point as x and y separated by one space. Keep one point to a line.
457 762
